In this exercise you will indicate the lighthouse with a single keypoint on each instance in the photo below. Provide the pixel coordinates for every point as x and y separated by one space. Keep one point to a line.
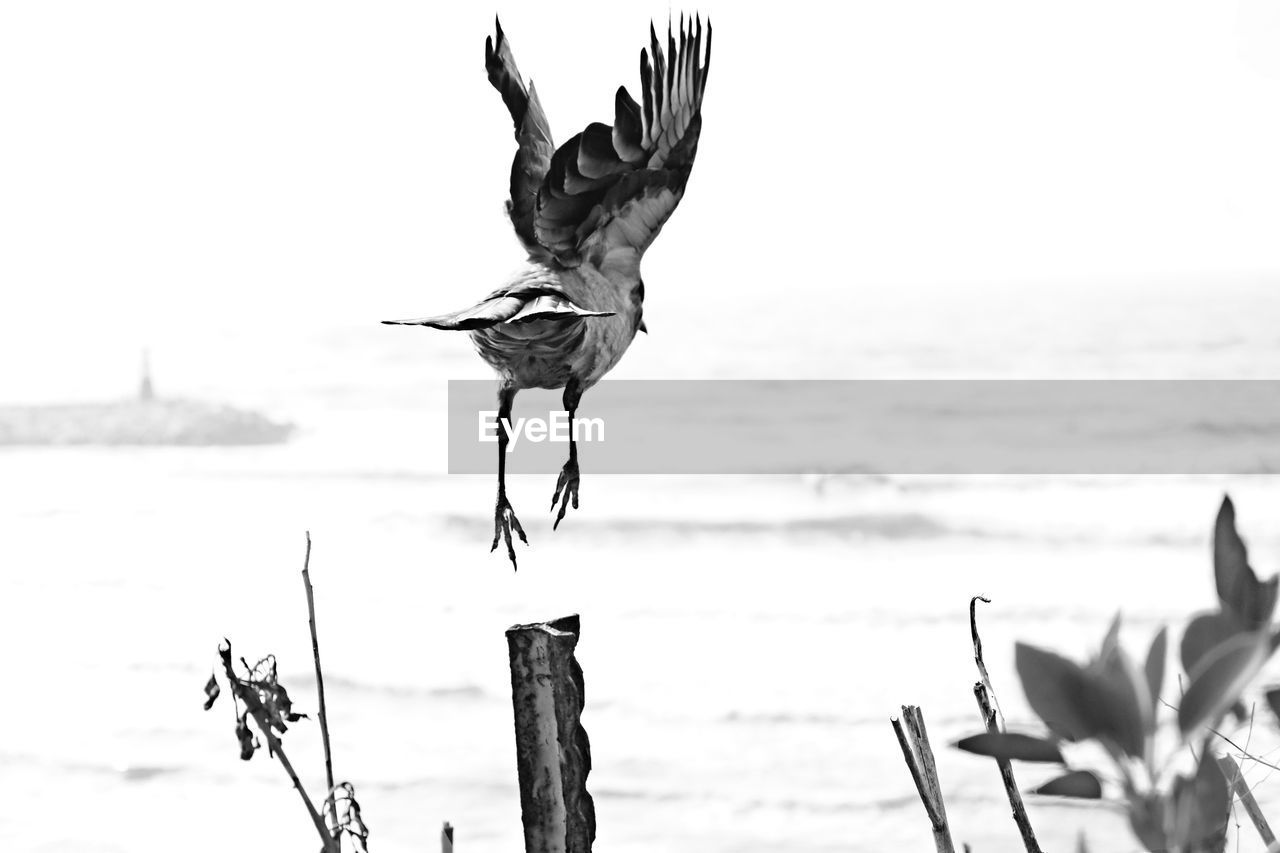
146 392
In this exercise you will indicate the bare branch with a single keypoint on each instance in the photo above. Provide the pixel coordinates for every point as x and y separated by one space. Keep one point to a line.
273 743
331 806
1244 753
989 707
1006 774
977 653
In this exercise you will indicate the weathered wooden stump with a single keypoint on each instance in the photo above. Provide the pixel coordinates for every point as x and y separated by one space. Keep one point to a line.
553 755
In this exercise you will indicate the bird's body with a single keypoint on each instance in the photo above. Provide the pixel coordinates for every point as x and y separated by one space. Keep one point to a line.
549 352
585 213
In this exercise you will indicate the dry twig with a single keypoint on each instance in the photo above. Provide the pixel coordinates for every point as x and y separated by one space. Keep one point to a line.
987 705
245 691
324 719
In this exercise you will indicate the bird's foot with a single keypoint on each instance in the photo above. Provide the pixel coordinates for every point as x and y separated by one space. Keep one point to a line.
568 485
504 519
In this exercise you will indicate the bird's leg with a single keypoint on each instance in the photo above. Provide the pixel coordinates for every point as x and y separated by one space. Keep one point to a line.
569 479
504 517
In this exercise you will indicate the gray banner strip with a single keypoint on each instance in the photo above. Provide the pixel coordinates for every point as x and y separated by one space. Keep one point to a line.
881 427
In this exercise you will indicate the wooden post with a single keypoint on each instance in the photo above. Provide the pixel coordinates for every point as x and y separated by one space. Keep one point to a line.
914 740
553 756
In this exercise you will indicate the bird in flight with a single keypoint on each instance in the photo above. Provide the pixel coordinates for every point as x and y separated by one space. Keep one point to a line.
585 213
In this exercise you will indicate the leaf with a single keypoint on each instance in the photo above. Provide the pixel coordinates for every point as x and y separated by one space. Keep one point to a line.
272 699
1201 806
1012 746
1078 783
1204 633
1154 668
282 707
1273 701
1111 641
1056 690
1121 705
247 741
1146 817
346 810
1239 590
211 692
1220 677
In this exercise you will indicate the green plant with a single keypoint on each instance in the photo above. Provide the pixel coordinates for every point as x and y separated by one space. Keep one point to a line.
1173 787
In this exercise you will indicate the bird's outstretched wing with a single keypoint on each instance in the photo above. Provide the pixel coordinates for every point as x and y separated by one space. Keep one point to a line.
609 190
520 303
533 136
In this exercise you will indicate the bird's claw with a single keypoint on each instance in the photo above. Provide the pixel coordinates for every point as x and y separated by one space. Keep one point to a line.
568 484
504 519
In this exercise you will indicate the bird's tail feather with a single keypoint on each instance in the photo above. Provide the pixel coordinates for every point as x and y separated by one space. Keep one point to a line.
523 306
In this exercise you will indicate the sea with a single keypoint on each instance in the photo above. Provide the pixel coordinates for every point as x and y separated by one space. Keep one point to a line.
745 639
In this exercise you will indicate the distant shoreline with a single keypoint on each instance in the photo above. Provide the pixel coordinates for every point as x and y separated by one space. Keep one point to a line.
138 423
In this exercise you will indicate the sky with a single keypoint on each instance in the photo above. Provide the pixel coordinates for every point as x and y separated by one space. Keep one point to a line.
178 166
228 181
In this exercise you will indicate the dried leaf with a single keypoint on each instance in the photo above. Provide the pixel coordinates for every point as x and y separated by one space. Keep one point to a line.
347 811
271 697
1081 784
1012 746
211 692
285 706
247 741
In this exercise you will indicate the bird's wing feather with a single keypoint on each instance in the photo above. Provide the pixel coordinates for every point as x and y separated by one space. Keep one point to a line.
609 190
533 137
518 304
